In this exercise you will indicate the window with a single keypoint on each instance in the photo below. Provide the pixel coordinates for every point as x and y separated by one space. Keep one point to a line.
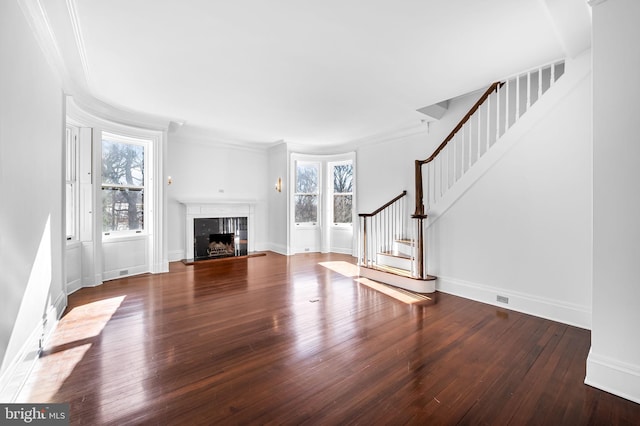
123 184
71 182
307 192
342 193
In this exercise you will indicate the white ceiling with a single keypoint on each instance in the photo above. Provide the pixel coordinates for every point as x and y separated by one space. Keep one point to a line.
308 72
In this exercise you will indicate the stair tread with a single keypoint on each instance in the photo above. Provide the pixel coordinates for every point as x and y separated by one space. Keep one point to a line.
405 241
396 254
399 271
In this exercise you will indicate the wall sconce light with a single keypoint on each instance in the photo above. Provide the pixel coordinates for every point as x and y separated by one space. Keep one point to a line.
169 180
279 185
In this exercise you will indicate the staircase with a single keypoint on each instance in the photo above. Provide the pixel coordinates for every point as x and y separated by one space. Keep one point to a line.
392 243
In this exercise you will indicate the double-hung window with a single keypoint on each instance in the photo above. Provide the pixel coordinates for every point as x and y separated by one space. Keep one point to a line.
307 192
123 184
342 192
71 182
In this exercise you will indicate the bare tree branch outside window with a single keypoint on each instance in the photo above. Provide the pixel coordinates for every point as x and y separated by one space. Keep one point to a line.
342 193
122 186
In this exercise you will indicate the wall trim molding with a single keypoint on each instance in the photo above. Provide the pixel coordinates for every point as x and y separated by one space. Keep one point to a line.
18 370
613 376
566 313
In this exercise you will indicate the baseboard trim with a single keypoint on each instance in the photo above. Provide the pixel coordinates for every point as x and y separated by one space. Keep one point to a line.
17 372
74 286
566 313
176 255
613 376
278 248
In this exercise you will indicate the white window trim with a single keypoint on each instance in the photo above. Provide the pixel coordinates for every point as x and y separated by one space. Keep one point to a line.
318 194
148 169
330 201
72 176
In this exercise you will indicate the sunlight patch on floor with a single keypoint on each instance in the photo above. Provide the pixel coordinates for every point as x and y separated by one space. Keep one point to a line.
397 293
344 268
67 346
350 270
86 321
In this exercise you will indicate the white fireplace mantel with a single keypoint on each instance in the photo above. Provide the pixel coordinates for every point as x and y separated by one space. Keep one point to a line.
199 208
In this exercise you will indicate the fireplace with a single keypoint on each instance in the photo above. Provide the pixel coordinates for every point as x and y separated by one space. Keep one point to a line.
219 237
235 217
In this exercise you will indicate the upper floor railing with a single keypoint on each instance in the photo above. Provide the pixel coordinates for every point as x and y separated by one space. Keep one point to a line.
499 107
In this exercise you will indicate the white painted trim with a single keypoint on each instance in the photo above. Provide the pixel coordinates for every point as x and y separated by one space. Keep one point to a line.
217 209
44 34
411 284
340 250
280 249
18 370
72 8
576 71
176 255
567 313
153 130
613 376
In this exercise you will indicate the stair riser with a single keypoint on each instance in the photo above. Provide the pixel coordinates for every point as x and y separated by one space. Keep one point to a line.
403 248
394 262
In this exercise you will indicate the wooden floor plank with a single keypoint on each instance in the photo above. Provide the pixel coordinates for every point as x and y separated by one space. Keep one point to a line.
295 340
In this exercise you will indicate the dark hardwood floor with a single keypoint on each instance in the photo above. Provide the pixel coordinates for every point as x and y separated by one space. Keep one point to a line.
297 340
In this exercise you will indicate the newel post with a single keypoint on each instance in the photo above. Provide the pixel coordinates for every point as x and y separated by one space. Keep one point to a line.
420 216
419 194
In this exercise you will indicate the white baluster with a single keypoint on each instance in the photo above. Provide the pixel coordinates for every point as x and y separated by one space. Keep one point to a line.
488 122
454 143
539 83
552 78
517 99
498 113
427 196
528 91
479 121
506 105
465 149
441 157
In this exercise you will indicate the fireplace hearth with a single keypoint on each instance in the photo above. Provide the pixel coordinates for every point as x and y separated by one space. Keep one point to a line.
215 238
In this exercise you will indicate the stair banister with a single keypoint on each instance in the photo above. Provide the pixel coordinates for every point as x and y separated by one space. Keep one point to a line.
365 218
379 209
419 212
482 126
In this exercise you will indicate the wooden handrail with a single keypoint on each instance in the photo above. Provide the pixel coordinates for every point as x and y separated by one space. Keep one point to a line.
419 212
378 210
462 122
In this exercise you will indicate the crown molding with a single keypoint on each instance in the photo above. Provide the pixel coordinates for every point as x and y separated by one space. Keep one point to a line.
37 19
188 134
72 9
36 15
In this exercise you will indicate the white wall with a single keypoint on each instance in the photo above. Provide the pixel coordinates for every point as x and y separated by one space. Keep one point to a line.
204 170
32 238
614 360
386 167
278 217
523 230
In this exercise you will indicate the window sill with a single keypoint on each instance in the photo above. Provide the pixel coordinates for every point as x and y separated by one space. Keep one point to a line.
123 237
71 244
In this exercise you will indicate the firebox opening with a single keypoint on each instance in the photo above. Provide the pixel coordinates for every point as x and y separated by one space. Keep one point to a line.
219 237
221 245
